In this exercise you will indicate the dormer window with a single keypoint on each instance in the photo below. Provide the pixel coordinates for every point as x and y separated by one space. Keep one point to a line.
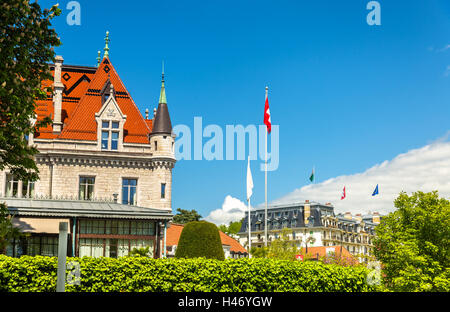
110 121
106 91
110 135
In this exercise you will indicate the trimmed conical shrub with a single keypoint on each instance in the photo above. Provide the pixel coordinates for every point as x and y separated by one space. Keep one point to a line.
200 239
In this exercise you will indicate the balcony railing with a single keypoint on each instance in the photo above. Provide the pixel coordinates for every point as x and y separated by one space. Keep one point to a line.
61 197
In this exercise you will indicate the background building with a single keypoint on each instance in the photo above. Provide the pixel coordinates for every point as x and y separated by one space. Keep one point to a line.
314 223
103 167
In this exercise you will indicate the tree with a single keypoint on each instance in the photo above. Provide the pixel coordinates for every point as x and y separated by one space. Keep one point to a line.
309 240
283 248
200 239
259 252
185 216
7 230
413 243
26 47
233 227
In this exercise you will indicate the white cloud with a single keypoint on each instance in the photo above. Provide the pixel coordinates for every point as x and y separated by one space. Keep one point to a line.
232 209
425 169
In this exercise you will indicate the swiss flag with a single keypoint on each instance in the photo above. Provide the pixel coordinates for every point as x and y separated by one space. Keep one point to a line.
343 194
267 121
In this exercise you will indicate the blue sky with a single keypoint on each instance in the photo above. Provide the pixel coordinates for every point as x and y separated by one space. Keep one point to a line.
346 95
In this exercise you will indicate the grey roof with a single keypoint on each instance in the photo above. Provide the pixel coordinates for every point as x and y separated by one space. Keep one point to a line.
162 123
73 208
291 205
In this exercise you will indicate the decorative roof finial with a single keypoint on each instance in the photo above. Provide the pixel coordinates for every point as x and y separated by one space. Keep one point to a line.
106 48
162 96
98 59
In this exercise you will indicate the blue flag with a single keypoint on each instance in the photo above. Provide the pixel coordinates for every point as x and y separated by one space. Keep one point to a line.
375 192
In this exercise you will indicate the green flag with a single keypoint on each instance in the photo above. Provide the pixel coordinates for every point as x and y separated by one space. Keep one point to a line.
311 177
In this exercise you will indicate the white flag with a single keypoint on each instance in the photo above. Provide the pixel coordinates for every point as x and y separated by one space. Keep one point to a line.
249 181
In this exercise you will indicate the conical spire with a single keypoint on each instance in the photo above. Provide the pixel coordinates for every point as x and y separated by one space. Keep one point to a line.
162 123
162 96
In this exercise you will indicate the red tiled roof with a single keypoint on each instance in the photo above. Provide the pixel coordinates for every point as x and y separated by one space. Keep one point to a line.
235 246
321 251
149 123
76 80
174 232
81 100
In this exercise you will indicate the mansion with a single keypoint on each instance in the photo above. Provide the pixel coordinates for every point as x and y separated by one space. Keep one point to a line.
314 224
104 168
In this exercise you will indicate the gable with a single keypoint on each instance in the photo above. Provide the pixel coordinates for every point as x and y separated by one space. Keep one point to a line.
82 124
110 110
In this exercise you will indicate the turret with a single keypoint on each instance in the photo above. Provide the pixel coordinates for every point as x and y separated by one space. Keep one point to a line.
162 145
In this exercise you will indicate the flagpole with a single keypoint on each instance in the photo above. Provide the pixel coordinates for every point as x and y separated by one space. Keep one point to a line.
249 230
265 167
249 195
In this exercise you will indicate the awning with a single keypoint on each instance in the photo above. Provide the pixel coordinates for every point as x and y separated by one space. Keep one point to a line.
39 225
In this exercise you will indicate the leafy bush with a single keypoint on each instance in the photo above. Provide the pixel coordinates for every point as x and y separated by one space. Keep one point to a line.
200 239
137 274
413 243
140 252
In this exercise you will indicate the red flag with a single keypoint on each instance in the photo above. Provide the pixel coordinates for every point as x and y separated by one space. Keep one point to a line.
343 194
267 115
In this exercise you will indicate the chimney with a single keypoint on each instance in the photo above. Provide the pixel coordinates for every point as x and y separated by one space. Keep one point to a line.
376 217
307 211
57 95
348 215
146 114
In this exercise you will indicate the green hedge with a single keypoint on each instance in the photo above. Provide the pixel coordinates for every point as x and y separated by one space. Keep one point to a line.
133 274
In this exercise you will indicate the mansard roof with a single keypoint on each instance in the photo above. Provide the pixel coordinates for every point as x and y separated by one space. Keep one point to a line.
82 99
